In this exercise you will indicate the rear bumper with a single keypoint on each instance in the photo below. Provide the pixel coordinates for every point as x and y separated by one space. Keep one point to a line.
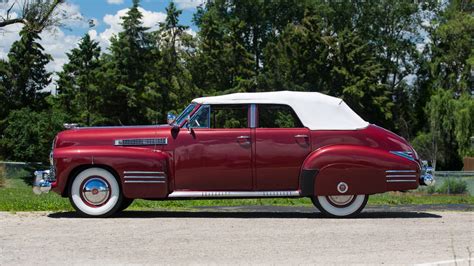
427 175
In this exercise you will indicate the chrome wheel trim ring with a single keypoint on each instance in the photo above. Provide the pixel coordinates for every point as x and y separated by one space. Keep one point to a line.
340 201
95 191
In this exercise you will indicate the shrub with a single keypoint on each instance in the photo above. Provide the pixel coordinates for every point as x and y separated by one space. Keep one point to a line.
3 174
453 186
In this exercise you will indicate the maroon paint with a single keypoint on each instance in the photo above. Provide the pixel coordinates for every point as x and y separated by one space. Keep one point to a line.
279 156
215 159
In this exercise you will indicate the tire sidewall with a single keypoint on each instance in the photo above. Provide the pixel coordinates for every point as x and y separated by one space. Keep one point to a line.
330 210
110 207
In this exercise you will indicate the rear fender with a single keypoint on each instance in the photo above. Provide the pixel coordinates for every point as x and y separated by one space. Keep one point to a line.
70 160
362 168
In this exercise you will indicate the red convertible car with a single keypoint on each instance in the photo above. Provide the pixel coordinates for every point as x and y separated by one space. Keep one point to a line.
244 145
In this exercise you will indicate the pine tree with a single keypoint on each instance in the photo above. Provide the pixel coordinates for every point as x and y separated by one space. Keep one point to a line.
27 67
124 70
170 85
78 93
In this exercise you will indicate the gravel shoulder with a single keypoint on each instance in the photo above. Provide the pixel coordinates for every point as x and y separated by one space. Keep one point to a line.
229 235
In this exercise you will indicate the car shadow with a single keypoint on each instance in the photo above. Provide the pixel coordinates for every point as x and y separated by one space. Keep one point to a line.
252 215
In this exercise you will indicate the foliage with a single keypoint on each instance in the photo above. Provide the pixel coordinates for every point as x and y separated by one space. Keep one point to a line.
78 94
406 66
35 15
3 174
423 144
26 75
122 76
28 134
453 186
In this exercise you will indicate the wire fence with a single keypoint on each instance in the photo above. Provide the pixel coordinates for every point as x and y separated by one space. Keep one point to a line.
447 182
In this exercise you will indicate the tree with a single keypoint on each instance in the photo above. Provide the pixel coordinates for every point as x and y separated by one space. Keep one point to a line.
123 72
170 84
450 108
27 73
28 134
77 93
306 57
35 15
452 49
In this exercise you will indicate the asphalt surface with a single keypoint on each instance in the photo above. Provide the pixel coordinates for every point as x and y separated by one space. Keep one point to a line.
433 234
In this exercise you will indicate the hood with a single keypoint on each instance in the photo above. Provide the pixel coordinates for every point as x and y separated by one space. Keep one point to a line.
106 136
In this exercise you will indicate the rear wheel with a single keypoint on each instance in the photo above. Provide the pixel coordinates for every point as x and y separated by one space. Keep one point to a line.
340 205
95 192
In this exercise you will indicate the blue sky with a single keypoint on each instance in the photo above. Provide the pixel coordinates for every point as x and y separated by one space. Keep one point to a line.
97 9
57 41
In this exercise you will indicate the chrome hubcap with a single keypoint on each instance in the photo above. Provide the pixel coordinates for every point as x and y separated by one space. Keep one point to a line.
95 191
341 200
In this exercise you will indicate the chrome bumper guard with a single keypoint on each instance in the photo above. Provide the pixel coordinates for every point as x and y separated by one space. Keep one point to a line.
42 183
427 174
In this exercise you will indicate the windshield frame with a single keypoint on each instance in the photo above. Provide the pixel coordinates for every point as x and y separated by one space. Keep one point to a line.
179 121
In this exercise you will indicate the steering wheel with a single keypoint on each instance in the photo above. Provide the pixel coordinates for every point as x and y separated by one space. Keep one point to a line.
197 123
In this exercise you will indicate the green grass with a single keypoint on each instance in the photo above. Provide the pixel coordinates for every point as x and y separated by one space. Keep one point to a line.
18 196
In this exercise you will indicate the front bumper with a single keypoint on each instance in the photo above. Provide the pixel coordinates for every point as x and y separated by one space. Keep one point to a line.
427 175
43 181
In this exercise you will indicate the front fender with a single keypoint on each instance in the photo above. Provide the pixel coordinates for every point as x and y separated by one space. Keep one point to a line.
70 160
362 168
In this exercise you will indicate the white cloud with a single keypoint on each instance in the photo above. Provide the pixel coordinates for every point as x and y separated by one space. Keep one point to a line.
70 15
189 4
150 19
115 2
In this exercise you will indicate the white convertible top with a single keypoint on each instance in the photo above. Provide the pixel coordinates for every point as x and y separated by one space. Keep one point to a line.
316 111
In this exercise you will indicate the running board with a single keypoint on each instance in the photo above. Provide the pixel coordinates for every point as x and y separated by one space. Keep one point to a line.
234 194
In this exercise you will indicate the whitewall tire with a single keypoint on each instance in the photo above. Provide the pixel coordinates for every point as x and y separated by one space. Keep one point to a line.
95 192
340 205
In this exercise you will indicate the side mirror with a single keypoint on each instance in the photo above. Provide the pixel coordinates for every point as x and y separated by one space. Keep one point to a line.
170 118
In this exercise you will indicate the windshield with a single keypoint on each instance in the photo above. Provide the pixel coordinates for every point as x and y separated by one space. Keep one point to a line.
184 114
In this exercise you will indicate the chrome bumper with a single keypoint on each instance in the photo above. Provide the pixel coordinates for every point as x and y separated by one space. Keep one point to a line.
427 175
42 183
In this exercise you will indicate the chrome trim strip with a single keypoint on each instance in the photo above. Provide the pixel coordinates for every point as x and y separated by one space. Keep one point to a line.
400 181
400 171
143 177
143 181
141 142
253 116
405 154
230 194
390 176
143 172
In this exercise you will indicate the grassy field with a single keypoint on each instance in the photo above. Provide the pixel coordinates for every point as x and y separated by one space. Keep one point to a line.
18 196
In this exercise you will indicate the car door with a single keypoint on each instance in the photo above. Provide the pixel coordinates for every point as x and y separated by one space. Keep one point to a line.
282 144
215 153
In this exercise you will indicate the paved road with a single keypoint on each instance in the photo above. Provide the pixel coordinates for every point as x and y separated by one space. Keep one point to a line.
237 235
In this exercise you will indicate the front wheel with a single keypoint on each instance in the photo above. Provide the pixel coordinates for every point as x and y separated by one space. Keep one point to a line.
95 192
340 205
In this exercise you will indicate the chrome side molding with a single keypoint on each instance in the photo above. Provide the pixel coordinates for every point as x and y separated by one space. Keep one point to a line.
140 142
233 194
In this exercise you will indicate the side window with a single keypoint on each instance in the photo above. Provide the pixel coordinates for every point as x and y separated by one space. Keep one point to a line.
277 116
229 116
201 118
221 116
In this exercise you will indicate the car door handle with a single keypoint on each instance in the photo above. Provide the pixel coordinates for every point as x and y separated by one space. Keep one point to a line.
301 136
243 137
